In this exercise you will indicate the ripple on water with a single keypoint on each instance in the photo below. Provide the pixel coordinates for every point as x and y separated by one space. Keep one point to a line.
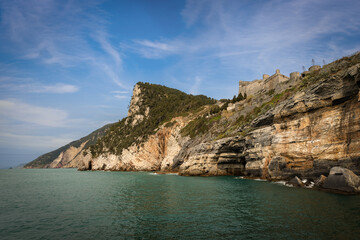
66 204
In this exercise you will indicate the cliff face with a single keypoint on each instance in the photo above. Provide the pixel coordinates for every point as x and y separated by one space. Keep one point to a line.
310 132
155 154
304 130
306 135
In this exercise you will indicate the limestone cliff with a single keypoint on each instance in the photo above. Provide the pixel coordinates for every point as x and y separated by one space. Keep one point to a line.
155 154
302 128
316 127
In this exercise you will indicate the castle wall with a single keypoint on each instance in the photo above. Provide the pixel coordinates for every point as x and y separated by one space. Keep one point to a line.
268 83
250 88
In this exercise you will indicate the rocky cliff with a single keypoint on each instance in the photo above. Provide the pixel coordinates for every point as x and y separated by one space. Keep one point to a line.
303 130
312 128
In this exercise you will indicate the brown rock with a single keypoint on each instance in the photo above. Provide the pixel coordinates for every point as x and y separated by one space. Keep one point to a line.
296 182
320 181
342 179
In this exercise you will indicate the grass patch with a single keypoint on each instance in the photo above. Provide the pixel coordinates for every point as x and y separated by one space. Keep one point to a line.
270 92
200 125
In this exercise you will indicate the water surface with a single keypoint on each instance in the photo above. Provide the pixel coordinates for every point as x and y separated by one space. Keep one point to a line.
67 204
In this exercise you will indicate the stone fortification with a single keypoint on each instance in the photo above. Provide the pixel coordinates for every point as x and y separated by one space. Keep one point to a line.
275 81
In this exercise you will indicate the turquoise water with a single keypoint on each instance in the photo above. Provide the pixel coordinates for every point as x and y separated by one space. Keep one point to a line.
67 204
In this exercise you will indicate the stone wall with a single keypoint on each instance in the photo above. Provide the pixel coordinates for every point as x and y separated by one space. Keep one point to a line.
266 84
250 88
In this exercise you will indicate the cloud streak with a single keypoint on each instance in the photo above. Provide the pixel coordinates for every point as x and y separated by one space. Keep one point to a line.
32 142
195 88
32 87
121 97
65 32
57 88
22 112
258 36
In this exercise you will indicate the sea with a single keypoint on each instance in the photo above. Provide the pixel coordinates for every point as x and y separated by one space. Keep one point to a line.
68 204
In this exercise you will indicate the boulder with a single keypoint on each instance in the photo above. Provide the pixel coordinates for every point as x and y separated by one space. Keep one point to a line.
296 182
342 179
320 181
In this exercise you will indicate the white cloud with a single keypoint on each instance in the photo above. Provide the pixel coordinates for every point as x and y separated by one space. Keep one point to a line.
57 88
28 85
109 49
16 110
191 12
156 49
33 142
121 96
120 92
257 36
112 73
65 31
157 45
195 87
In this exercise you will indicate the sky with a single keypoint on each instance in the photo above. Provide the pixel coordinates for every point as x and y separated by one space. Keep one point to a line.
68 67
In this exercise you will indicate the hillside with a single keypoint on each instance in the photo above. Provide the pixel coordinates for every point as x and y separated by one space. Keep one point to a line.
46 159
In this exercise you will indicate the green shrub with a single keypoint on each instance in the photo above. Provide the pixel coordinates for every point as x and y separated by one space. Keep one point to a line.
271 92
170 124
199 126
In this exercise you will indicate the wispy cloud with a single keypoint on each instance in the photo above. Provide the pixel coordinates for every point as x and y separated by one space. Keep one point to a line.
57 88
27 85
248 35
109 49
120 92
195 87
121 97
65 32
33 142
12 109
156 49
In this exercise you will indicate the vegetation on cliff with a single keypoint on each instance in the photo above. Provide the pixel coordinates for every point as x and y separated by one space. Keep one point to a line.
163 104
47 158
238 122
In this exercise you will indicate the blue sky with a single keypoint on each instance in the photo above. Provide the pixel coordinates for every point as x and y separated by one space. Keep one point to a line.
68 67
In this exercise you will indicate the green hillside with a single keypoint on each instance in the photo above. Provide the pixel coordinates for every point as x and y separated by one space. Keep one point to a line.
47 158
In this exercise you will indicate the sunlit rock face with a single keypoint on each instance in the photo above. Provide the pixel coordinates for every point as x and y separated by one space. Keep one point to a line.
306 136
157 153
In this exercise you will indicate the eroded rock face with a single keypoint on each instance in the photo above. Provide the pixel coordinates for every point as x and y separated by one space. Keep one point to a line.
310 132
342 179
134 109
156 154
66 157
222 157
304 136
276 167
